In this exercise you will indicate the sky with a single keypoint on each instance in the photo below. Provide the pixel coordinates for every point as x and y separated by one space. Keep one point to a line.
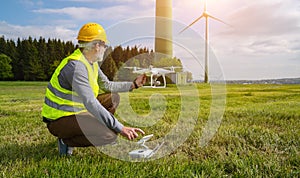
262 41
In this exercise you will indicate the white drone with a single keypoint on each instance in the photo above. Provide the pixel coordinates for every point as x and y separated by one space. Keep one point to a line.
154 73
144 152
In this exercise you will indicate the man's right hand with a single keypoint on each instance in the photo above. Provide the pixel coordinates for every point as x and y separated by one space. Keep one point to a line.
141 80
131 133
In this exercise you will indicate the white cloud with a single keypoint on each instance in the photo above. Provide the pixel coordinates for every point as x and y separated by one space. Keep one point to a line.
119 12
260 18
102 1
266 28
23 32
31 3
115 2
78 13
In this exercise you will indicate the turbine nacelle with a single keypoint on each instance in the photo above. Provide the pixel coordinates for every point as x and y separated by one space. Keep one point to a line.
205 14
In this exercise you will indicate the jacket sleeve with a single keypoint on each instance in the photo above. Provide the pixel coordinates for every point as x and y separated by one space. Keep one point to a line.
82 87
110 86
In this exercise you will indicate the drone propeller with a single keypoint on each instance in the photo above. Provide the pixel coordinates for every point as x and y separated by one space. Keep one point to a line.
131 67
134 68
172 68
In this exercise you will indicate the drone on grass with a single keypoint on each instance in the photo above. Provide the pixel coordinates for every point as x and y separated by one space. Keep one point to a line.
154 73
145 152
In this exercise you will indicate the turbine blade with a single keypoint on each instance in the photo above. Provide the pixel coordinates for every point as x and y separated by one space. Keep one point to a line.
191 24
215 18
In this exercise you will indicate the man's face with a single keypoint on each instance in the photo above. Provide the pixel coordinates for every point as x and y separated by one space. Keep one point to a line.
100 50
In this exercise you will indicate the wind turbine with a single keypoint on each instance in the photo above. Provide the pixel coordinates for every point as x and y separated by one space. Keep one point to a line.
205 15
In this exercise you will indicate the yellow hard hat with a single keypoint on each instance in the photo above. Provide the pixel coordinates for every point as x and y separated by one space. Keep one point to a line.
90 32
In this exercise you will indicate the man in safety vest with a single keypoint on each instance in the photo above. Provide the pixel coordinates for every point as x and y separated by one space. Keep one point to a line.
80 100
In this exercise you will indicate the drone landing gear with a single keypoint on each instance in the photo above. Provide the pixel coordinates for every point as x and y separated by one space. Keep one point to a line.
156 84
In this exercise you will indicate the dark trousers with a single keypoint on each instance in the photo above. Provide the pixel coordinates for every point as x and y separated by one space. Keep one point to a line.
84 129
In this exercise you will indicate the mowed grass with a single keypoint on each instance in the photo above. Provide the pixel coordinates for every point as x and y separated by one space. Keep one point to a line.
258 136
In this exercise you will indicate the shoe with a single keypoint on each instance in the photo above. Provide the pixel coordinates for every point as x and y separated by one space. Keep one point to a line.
64 149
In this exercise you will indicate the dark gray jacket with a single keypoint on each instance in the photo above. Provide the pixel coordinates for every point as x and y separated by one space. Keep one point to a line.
74 76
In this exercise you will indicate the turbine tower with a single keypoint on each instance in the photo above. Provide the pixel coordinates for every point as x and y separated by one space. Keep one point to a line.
205 15
163 27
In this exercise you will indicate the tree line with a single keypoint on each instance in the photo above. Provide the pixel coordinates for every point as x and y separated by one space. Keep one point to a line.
36 59
31 59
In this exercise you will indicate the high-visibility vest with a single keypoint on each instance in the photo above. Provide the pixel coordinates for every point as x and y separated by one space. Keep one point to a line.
61 102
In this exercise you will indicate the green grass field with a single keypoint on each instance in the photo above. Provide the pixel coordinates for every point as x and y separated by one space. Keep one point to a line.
259 136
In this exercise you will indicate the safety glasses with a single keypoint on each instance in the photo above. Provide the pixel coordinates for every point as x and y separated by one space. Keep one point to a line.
101 43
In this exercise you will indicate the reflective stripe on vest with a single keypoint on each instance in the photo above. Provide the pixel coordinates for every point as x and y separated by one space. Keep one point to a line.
61 102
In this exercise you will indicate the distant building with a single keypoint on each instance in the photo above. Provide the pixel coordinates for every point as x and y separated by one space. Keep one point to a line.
178 78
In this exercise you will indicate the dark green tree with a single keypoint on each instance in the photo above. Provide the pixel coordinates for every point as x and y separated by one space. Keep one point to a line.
43 58
30 57
18 63
69 48
117 55
134 52
2 45
52 60
5 67
11 50
109 67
